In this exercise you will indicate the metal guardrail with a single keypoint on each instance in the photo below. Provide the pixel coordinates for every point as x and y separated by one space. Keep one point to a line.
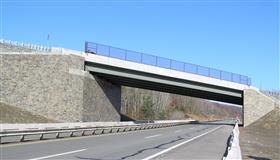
26 45
31 135
127 55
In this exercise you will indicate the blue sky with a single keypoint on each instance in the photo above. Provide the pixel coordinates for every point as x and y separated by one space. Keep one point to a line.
240 36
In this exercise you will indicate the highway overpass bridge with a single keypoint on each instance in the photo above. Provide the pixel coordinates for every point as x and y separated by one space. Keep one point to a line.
86 86
141 70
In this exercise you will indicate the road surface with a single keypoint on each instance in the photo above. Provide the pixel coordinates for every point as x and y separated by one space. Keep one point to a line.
191 141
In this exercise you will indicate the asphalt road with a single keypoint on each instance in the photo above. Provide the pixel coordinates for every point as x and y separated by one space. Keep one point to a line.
191 141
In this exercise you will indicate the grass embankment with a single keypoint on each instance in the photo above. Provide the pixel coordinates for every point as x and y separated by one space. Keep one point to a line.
261 140
11 114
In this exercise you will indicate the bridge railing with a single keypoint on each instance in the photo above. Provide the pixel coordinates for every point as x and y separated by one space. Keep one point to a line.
127 55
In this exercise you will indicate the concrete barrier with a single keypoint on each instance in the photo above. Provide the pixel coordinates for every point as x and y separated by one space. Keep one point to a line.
233 148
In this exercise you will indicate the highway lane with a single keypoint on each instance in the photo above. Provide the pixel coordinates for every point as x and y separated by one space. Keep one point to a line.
190 141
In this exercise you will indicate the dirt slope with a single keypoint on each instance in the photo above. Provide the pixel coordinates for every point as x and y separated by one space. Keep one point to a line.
11 114
261 140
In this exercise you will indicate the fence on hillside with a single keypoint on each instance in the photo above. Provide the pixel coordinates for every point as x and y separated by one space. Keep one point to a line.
25 45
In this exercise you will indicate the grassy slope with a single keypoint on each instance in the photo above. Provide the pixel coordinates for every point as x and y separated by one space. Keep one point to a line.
11 114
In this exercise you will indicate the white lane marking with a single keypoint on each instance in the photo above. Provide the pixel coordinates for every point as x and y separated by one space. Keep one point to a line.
60 154
177 145
177 131
153 136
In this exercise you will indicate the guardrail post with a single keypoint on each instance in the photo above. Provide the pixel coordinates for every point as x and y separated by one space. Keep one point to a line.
125 54
86 46
57 135
22 138
41 136
96 48
83 132
71 134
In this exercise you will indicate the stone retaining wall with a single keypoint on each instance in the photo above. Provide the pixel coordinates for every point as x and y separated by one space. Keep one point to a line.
256 105
56 86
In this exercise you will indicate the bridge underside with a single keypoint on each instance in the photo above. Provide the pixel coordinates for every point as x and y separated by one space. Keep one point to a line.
132 78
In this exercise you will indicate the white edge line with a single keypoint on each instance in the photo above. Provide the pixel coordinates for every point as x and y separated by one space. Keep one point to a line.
60 154
177 145
153 136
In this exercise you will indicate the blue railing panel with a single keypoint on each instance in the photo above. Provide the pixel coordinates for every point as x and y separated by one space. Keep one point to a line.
214 73
204 71
149 59
178 66
244 79
133 56
137 57
226 76
236 78
103 50
163 62
117 53
190 68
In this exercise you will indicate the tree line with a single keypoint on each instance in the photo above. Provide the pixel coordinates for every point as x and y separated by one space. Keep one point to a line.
141 104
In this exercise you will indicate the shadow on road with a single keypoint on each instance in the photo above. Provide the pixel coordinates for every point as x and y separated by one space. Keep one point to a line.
259 158
212 123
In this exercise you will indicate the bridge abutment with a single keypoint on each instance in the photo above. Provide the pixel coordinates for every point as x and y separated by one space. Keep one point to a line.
256 105
101 100
57 87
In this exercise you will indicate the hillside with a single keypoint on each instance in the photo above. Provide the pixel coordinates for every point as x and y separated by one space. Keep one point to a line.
261 140
147 104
